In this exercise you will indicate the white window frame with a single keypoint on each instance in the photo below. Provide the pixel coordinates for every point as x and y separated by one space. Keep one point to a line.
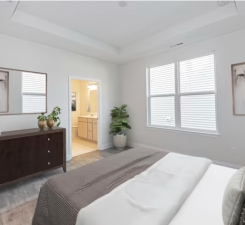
177 97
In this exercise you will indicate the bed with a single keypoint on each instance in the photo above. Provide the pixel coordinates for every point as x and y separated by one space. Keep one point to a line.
82 196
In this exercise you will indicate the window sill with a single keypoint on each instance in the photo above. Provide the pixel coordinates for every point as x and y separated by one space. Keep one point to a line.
186 131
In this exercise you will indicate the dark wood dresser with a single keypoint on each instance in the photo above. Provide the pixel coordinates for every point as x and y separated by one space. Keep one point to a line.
27 152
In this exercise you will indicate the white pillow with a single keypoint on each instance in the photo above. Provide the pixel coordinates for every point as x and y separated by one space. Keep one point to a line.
234 197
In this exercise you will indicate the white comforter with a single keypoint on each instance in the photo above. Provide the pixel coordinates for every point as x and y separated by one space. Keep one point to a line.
153 197
204 204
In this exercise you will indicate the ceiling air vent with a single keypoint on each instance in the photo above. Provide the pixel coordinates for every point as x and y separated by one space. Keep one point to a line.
122 3
176 45
222 3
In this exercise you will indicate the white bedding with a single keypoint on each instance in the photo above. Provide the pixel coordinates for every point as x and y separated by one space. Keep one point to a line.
204 205
153 197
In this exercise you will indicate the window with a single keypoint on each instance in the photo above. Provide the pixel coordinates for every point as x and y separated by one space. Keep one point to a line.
182 95
33 92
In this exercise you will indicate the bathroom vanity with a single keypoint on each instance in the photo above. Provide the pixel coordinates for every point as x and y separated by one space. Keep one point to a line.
87 128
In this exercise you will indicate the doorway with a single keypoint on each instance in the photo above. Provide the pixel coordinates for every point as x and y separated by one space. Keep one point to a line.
84 114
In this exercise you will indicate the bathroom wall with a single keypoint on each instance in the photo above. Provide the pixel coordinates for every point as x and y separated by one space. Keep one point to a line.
93 101
86 100
76 89
84 97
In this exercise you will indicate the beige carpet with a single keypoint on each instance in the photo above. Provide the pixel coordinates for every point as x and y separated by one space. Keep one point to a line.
21 215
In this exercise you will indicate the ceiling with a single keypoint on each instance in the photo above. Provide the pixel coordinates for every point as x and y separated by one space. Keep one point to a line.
104 29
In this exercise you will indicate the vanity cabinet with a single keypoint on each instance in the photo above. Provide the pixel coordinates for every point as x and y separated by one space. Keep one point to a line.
87 128
82 128
27 152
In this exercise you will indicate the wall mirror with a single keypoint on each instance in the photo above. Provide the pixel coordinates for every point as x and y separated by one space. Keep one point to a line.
22 92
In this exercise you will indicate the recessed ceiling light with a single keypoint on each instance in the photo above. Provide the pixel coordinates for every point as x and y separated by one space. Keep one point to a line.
122 3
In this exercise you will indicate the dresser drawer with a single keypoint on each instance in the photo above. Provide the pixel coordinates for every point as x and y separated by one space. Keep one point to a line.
55 150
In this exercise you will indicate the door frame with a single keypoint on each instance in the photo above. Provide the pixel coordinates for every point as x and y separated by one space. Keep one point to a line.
69 156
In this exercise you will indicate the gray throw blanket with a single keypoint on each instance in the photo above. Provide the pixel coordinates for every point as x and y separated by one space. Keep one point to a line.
150 198
62 197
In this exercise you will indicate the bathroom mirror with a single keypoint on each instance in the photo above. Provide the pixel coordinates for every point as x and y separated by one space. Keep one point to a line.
22 92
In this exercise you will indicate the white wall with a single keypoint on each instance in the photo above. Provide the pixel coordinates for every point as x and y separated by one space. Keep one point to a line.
59 65
229 49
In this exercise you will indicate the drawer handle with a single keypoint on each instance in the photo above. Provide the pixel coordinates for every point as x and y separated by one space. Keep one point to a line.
48 151
48 163
48 139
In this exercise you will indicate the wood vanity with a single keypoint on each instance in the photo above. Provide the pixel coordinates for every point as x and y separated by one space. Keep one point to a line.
87 128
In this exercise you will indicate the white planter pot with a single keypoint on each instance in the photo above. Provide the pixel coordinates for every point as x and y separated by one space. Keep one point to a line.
120 141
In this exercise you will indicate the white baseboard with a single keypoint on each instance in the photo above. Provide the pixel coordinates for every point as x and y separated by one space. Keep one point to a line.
134 144
68 158
105 146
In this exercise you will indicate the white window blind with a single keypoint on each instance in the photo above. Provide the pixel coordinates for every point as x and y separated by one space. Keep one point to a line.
162 91
197 75
33 83
198 112
193 105
197 82
162 80
163 111
33 92
34 103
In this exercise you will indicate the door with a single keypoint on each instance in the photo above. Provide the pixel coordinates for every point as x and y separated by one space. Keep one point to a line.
86 107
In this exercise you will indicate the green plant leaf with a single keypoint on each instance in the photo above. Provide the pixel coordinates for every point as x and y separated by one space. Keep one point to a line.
54 115
119 123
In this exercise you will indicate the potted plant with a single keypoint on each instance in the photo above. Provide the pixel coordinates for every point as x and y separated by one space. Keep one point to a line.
119 125
42 121
53 118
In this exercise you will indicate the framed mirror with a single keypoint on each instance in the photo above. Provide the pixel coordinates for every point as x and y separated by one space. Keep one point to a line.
22 92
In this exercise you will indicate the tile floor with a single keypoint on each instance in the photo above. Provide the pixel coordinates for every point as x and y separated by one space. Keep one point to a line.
80 146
